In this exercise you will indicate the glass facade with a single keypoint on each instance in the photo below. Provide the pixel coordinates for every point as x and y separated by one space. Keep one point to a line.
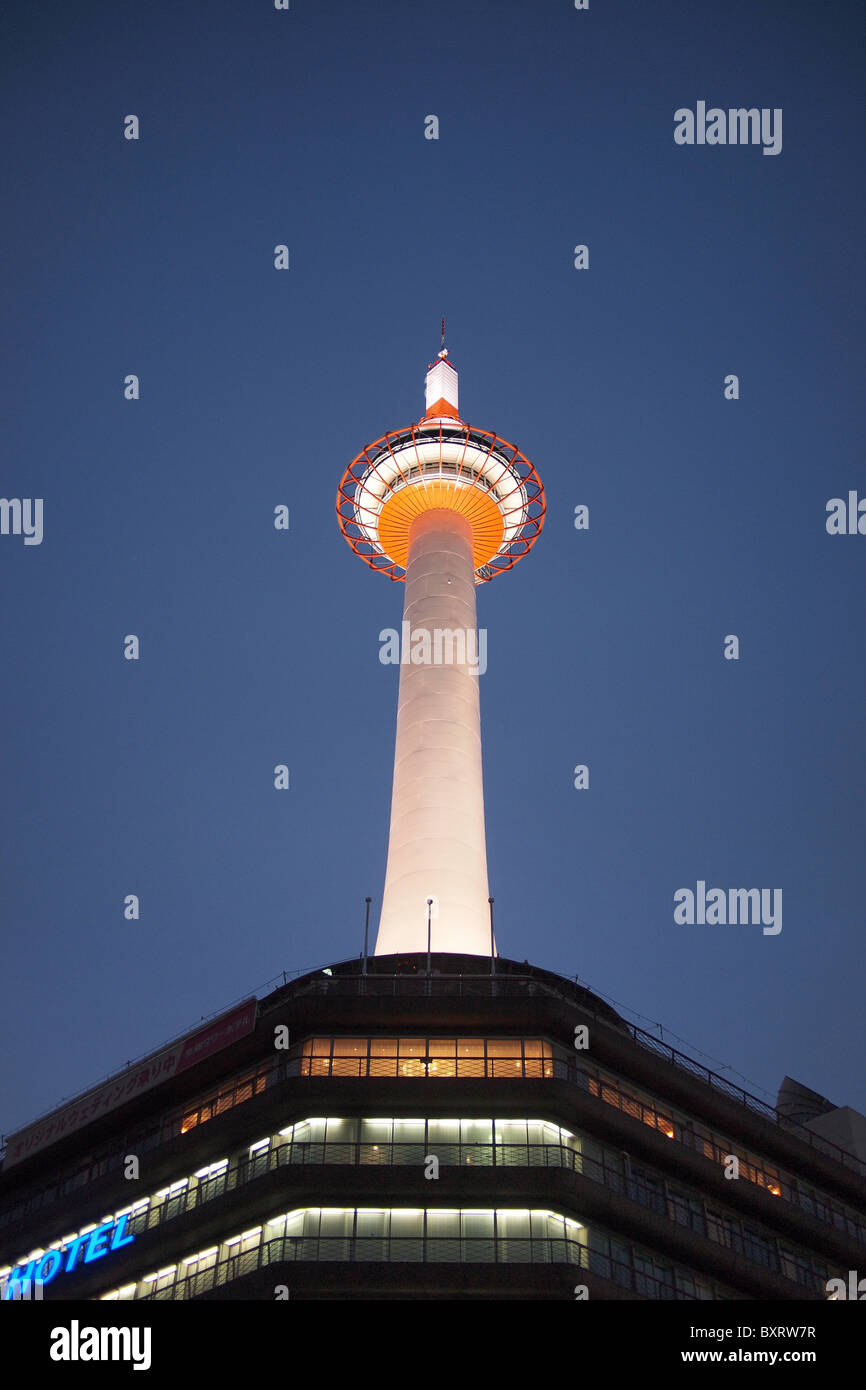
506 1058
501 1235
457 1142
478 1142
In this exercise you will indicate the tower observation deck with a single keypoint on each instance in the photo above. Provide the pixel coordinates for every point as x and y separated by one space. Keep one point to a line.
444 507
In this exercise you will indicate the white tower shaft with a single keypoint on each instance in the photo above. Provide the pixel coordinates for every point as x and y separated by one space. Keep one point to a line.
437 844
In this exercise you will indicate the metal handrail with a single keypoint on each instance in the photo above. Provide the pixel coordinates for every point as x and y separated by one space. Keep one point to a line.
323 1153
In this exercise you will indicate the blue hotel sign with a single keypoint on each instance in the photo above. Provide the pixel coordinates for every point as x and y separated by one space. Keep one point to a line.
111 1235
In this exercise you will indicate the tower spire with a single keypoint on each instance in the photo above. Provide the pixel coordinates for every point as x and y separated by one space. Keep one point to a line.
441 396
446 508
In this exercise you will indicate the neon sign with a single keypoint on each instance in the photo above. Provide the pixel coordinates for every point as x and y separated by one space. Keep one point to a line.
111 1235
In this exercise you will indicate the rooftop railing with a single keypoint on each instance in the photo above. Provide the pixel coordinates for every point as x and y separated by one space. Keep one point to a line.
528 986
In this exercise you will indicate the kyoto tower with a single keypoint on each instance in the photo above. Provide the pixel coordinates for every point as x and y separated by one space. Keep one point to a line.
445 507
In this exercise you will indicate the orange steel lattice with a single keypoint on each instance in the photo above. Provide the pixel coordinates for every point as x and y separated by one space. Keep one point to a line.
443 464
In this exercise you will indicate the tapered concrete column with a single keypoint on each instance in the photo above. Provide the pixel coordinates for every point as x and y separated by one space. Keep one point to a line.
437 846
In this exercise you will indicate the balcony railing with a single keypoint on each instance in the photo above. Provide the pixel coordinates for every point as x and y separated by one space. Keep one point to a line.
529 986
759 1251
557 1063
419 1250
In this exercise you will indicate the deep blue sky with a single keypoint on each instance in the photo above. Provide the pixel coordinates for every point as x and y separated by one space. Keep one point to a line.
707 517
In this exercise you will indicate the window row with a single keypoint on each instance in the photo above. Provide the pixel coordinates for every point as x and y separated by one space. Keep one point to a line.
682 1129
433 1057
483 1235
458 1142
447 1057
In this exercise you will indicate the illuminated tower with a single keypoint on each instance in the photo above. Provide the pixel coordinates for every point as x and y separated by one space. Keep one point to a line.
445 507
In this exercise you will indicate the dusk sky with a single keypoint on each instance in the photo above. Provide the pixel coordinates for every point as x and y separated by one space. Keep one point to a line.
708 516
